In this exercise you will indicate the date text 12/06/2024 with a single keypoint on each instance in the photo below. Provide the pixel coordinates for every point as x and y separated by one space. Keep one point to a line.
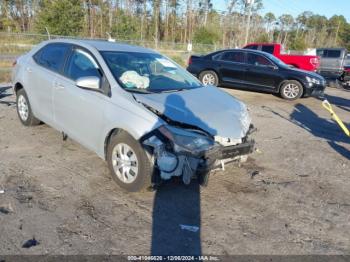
173 258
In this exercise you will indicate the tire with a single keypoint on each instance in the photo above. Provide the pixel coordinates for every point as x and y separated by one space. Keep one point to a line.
136 176
291 90
24 110
209 77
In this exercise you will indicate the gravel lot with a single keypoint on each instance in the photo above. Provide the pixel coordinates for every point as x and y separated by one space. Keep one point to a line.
298 203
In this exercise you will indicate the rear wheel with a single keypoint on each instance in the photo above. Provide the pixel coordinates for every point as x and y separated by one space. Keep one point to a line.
209 78
291 90
128 163
24 110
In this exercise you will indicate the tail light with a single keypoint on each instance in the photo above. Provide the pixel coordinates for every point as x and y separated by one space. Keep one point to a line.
315 61
14 63
190 60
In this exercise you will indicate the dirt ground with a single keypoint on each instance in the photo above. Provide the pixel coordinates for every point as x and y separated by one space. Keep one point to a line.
297 203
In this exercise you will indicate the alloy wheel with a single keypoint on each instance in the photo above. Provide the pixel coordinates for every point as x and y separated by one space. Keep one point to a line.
291 90
208 79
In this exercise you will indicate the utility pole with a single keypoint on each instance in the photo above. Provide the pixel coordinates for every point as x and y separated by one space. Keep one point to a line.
250 3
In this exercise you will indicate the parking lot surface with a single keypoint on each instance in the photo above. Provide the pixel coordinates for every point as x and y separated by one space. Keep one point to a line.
291 197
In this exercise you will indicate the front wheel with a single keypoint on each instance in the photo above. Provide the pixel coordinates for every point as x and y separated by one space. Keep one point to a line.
128 163
291 90
209 78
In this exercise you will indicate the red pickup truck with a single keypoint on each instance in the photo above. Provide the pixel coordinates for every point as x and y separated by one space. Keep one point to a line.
306 62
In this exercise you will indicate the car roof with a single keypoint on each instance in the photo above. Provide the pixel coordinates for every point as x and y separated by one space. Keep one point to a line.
332 48
103 45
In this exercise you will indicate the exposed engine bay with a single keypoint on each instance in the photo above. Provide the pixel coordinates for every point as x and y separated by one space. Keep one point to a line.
192 141
198 156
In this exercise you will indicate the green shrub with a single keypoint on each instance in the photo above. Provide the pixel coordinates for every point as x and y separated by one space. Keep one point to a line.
206 36
178 59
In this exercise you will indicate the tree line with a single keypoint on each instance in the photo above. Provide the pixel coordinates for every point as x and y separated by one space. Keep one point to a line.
176 21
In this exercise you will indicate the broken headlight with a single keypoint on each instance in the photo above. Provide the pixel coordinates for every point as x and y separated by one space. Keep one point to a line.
186 141
313 80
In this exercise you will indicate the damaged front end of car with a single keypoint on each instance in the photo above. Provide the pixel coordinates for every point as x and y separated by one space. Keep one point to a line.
180 150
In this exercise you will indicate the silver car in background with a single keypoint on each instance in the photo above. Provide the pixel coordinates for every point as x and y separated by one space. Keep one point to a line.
138 110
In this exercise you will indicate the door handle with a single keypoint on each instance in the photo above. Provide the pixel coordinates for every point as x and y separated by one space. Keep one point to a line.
29 70
58 86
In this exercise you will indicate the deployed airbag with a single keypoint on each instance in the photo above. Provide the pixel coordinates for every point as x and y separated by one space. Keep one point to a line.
132 79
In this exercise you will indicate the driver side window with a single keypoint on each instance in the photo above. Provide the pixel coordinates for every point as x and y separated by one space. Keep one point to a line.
258 60
81 64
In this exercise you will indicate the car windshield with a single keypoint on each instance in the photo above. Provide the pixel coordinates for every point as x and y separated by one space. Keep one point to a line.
148 72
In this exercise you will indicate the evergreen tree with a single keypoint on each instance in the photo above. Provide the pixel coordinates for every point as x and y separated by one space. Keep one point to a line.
60 17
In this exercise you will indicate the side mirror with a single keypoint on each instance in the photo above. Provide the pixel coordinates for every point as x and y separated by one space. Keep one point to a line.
88 82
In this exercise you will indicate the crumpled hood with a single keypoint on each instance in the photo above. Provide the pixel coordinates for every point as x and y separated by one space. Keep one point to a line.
208 108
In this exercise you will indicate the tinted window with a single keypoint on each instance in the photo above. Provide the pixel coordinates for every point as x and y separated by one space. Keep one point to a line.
333 53
81 64
253 47
37 56
258 60
267 49
52 56
329 53
237 57
217 56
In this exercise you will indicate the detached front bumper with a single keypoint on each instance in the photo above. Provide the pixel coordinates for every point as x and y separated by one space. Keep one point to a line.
237 150
226 154
172 163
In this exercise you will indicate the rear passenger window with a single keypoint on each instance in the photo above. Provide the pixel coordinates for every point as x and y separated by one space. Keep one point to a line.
267 49
234 56
217 56
253 47
327 53
52 56
333 53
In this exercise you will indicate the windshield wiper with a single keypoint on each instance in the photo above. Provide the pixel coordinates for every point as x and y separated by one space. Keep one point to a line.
139 91
169 90
172 90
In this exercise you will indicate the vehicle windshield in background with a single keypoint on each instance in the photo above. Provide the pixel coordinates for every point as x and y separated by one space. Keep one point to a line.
148 72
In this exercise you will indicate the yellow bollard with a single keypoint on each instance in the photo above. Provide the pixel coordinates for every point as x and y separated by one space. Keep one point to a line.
329 108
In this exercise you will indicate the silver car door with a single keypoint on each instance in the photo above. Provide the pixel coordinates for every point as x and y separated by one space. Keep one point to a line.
41 71
79 112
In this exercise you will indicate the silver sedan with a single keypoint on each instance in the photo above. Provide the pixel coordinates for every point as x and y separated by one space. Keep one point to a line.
141 112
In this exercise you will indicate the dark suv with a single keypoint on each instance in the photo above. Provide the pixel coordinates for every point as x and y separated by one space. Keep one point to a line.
252 69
